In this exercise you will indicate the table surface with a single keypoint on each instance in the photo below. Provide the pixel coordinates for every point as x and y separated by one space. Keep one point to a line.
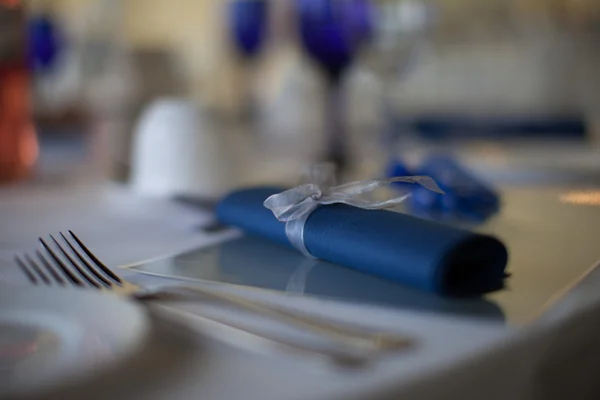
552 245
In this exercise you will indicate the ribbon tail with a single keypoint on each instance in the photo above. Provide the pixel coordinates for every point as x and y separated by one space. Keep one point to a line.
361 187
425 181
377 205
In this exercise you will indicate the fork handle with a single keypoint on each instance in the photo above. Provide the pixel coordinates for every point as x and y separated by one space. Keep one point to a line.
242 336
350 335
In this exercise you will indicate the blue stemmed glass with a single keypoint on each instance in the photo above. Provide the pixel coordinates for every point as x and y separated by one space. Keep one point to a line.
248 20
44 42
248 26
331 32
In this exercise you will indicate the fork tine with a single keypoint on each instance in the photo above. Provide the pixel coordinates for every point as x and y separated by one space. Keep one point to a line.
95 259
34 266
94 271
76 281
75 265
61 266
25 270
50 268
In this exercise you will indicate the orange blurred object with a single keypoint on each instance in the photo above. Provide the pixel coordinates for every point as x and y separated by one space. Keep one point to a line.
10 3
18 140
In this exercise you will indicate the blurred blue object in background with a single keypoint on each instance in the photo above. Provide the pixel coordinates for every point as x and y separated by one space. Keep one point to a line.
466 197
248 24
439 127
44 42
331 31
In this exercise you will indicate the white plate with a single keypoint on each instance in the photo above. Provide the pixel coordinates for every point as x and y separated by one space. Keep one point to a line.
55 337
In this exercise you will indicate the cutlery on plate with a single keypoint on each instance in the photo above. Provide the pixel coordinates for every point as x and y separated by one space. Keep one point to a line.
73 264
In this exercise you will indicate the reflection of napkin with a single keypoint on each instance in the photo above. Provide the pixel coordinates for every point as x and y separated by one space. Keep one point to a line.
394 246
253 261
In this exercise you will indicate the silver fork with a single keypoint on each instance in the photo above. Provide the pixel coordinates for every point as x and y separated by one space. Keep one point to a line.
73 264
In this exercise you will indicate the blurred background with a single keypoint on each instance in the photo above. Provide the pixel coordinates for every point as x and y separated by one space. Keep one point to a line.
506 89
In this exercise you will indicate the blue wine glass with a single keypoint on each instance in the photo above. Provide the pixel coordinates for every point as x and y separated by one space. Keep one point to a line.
331 33
248 21
44 42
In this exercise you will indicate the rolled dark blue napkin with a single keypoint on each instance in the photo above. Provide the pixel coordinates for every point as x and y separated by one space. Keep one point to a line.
423 254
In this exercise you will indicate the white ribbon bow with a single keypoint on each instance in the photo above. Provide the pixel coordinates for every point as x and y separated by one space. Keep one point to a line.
294 206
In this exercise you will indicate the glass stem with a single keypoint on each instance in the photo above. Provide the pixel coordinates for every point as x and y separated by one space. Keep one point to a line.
388 123
250 106
335 123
